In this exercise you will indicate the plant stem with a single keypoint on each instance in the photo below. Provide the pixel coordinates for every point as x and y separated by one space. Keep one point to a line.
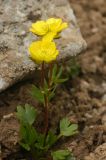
42 74
46 115
45 98
47 101
50 78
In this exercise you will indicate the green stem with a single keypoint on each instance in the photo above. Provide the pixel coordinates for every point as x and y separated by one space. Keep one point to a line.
59 136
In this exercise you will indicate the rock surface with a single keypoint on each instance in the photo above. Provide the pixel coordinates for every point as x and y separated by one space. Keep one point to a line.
9 135
15 19
99 154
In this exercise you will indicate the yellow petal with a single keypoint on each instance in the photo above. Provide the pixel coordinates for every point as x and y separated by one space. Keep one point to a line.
50 36
54 24
40 28
63 26
43 51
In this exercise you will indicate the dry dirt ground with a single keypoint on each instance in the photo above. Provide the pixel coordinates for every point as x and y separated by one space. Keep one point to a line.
83 98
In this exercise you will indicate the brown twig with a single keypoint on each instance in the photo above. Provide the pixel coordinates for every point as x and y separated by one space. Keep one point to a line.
46 100
46 115
50 78
42 74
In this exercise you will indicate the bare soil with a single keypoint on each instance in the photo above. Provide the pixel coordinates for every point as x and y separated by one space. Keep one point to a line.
82 99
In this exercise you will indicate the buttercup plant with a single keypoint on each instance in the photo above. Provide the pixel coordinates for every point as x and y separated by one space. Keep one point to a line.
49 29
44 51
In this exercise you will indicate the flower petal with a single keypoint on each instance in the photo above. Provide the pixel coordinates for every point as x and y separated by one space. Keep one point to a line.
40 28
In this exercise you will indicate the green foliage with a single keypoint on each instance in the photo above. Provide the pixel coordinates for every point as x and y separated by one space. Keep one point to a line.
55 80
40 143
73 69
31 135
60 154
27 114
66 128
28 134
37 93
30 139
57 75
51 139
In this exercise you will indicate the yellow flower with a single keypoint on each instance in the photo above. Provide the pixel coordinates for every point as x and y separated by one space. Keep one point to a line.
40 28
43 51
56 25
49 29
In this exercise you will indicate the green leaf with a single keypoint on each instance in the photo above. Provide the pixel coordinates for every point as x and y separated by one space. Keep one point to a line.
51 95
54 72
30 114
70 157
51 139
23 133
73 69
56 75
21 114
60 154
59 72
40 141
66 128
32 135
25 146
37 93
61 80
26 115
46 88
28 134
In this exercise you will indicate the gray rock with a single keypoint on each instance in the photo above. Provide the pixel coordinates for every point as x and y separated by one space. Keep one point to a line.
15 19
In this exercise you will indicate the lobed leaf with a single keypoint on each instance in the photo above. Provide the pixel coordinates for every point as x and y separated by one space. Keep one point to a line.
40 141
27 114
25 146
59 72
51 139
28 135
37 93
60 154
66 128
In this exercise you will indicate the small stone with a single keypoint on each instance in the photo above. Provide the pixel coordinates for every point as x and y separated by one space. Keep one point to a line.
104 119
1 27
104 98
88 115
104 86
84 85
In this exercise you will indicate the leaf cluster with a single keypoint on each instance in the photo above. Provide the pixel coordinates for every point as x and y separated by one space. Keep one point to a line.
32 140
73 69
48 90
57 75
